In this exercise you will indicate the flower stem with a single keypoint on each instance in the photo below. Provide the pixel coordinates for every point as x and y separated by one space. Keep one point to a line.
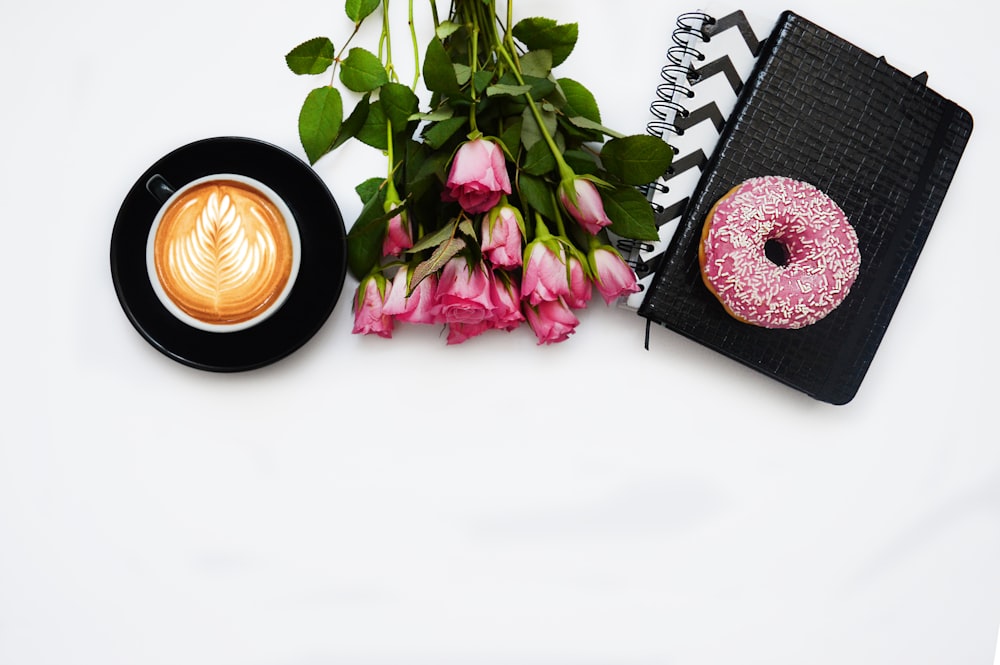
416 47
340 54
386 40
560 225
565 172
391 195
473 67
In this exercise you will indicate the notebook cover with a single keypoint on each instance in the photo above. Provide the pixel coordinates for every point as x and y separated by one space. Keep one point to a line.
878 142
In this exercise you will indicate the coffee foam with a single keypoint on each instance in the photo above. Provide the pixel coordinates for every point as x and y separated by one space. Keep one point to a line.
223 253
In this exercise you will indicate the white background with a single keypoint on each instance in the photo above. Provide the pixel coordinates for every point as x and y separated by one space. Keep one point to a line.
369 501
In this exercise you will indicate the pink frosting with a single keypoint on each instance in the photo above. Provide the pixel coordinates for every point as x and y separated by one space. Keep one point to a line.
820 245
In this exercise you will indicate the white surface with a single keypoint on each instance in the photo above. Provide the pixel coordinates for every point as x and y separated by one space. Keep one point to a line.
369 501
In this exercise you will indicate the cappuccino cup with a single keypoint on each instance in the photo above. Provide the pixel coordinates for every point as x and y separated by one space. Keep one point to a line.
223 252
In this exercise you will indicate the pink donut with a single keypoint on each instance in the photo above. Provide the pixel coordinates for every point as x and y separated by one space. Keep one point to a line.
778 253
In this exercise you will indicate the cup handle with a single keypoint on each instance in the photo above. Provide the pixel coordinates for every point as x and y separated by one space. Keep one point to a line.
159 188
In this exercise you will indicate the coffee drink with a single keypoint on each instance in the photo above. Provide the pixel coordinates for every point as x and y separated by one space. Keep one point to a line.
223 253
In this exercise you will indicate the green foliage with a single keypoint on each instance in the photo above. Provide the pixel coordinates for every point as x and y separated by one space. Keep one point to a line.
358 10
312 57
636 160
353 124
362 71
630 213
550 129
399 103
440 132
320 121
364 240
375 129
544 33
439 73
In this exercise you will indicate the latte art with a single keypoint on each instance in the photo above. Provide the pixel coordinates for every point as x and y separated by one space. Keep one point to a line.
222 252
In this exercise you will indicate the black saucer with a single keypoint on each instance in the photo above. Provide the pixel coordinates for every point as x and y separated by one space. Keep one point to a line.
321 272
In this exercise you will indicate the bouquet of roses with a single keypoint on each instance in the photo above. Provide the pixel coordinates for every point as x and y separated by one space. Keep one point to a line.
499 192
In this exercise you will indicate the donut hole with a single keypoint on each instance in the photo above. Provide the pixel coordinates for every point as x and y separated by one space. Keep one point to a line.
776 252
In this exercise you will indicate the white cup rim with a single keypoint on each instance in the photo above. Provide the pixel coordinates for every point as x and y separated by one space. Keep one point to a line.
293 231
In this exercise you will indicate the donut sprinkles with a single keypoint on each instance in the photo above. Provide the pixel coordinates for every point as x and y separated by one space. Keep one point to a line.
778 253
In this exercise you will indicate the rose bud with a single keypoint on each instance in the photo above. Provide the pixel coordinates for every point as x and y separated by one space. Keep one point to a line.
420 306
501 233
398 236
545 273
463 292
579 285
551 321
368 304
583 202
478 176
614 277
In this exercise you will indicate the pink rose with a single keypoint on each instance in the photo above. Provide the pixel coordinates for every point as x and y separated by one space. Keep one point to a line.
419 307
398 237
583 202
551 321
501 233
579 285
463 292
478 176
368 303
459 332
506 313
614 277
545 273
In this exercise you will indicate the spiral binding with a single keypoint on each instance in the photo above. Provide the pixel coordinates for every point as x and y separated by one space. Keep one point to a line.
676 73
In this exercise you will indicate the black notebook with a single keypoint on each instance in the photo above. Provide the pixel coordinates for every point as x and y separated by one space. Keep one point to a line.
877 141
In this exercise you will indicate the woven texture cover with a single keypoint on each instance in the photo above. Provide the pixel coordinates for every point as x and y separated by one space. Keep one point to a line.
878 142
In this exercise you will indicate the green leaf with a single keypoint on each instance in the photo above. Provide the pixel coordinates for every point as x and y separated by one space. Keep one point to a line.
481 79
432 169
312 57
539 159
447 28
544 33
444 252
530 132
466 227
537 63
364 240
581 162
636 160
511 136
374 131
399 103
579 100
437 135
538 194
540 87
462 73
362 71
439 74
505 89
319 121
353 124
586 123
358 10
630 213
369 188
436 115
434 239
